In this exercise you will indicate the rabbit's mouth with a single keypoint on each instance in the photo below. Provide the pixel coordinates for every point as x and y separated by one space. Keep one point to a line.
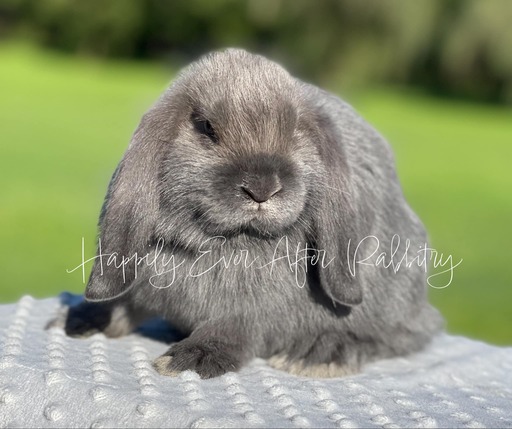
268 219
259 210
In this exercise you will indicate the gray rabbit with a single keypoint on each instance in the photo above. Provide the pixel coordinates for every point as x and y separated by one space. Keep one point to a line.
262 217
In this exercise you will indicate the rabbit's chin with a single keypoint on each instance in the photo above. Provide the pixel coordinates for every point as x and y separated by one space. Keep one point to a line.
265 231
267 227
269 224
256 226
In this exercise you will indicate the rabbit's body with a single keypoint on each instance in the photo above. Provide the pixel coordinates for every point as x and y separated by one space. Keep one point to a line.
282 167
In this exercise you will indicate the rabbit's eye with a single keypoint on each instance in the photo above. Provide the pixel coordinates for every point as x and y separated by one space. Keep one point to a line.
205 127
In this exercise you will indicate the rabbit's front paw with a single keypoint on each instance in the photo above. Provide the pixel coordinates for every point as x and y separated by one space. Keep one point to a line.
209 359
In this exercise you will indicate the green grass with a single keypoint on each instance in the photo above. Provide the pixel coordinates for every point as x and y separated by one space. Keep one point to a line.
65 123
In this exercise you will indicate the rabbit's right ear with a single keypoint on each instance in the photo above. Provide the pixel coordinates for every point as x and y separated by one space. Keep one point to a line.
340 220
128 215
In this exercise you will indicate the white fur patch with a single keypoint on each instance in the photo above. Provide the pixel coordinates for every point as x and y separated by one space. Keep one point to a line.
120 323
161 364
300 368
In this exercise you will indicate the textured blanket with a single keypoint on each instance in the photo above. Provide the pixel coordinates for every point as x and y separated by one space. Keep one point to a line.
50 380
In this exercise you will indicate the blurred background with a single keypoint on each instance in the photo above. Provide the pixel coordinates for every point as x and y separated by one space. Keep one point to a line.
433 76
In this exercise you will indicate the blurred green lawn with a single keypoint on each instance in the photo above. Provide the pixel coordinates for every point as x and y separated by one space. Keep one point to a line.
65 123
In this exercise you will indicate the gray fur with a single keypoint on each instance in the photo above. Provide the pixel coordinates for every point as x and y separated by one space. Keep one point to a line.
328 180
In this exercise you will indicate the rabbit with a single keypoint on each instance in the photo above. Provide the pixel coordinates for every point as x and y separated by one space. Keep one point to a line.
259 215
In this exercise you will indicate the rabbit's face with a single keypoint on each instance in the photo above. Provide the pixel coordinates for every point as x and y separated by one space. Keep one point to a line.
241 159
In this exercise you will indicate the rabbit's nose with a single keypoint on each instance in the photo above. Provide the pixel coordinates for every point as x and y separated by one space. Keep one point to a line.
262 190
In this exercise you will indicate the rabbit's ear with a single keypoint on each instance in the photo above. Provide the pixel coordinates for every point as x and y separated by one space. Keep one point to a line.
338 222
127 217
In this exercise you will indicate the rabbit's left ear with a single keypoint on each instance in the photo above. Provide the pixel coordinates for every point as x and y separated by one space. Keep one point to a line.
338 223
128 215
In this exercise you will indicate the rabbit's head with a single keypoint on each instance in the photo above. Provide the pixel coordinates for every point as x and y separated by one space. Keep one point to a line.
234 146
239 154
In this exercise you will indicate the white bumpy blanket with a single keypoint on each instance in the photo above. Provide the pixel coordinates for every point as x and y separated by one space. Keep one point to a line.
50 380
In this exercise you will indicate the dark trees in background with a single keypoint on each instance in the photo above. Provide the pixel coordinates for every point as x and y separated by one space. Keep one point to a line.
460 47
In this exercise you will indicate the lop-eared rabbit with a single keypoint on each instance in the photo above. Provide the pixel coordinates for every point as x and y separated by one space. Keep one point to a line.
262 217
